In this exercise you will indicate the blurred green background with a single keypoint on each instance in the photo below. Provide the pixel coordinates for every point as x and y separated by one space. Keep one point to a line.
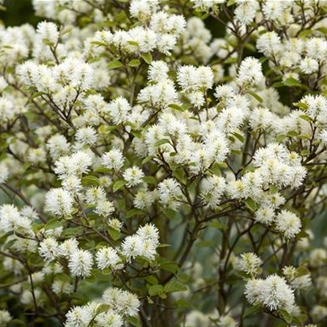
19 12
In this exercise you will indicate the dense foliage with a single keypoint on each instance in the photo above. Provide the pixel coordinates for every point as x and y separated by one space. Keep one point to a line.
152 174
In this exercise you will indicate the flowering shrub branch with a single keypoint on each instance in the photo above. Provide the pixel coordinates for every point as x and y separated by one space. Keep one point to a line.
152 174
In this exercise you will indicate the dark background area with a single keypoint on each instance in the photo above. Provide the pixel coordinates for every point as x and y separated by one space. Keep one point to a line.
18 12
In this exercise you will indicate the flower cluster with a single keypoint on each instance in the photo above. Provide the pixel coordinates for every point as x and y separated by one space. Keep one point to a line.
170 151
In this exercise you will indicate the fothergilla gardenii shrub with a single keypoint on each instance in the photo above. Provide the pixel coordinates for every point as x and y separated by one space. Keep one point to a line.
164 163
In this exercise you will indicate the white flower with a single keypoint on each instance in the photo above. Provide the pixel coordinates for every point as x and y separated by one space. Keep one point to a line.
123 302
166 43
13 266
144 199
274 10
212 189
318 257
132 246
169 191
186 77
192 78
158 71
104 208
72 184
86 135
62 287
302 282
318 312
113 159
109 318
309 65
58 146
76 164
143 9
269 44
249 263
4 173
226 321
288 223
119 109
48 31
37 155
94 195
276 294
68 247
108 257
129 304
78 317
4 317
12 221
115 223
80 263
265 215
48 249
59 202
250 72
149 232
133 176
245 11
273 293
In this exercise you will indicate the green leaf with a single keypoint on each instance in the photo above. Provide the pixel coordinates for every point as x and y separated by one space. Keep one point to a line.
252 310
292 134
151 280
292 82
134 63
286 316
114 233
218 225
301 105
134 321
255 95
273 189
175 286
164 245
322 30
156 290
170 266
72 232
115 64
280 138
147 57
100 44
53 223
118 185
231 2
304 152
161 142
305 33
47 42
36 95
239 137
302 271
9 244
145 160
251 204
90 181
306 117
176 107
134 212
150 180
102 169
184 278
184 304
